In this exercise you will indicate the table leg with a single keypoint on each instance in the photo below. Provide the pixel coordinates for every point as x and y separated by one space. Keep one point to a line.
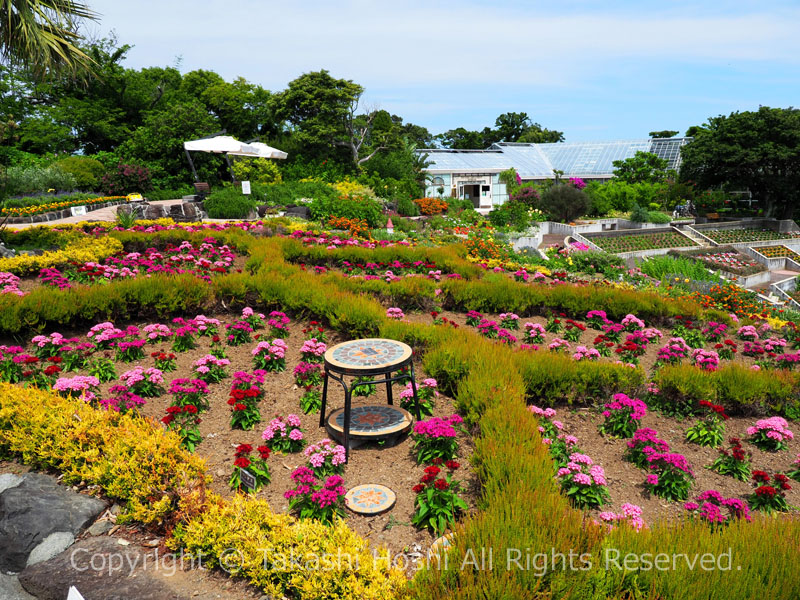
324 399
389 389
347 423
417 407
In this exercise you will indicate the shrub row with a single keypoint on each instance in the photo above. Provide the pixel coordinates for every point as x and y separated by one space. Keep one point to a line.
740 390
129 458
450 259
79 250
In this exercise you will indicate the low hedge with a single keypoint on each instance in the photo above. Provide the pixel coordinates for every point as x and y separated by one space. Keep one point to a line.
126 455
735 386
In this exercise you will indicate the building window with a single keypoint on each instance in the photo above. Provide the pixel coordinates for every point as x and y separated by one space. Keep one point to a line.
438 181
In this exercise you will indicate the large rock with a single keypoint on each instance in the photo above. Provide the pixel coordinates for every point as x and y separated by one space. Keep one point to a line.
35 509
298 211
10 588
102 569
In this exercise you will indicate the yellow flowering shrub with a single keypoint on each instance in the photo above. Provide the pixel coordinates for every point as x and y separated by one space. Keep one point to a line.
348 187
79 250
129 457
284 556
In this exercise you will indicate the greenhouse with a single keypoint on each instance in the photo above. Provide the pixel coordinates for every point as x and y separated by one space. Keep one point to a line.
474 174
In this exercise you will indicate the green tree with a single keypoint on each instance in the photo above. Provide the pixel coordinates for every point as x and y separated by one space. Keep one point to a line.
43 34
518 127
159 143
317 108
461 139
754 150
643 167
666 133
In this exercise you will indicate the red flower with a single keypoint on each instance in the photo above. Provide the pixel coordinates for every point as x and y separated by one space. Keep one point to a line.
231 401
418 488
452 465
428 477
52 370
55 359
441 484
242 462
154 354
766 491
215 339
760 476
190 408
432 470
167 420
244 449
240 406
264 451
437 461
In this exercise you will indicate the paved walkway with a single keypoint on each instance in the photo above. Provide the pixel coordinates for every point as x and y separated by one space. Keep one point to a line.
109 213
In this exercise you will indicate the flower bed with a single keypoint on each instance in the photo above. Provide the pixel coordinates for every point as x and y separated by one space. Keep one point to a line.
739 236
39 209
778 252
725 258
636 242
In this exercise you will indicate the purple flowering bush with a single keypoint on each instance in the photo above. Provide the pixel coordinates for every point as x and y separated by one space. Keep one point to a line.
770 434
270 356
284 435
326 458
436 438
314 499
645 441
622 416
583 482
670 477
709 505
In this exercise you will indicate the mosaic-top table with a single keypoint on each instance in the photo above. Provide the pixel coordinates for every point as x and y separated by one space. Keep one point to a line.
376 357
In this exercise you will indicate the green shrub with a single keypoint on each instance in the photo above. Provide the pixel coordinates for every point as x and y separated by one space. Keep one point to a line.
86 171
656 216
34 179
513 213
256 170
564 202
407 207
228 203
291 192
350 207
639 214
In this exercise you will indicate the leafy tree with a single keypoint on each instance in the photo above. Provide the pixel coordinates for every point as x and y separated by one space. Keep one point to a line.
666 133
517 127
755 150
159 141
461 139
43 34
564 202
317 107
642 167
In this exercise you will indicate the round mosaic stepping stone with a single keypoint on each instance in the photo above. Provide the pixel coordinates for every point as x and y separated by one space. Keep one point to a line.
371 421
370 499
439 545
368 354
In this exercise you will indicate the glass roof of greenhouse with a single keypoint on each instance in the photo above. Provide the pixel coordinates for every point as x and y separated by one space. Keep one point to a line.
591 160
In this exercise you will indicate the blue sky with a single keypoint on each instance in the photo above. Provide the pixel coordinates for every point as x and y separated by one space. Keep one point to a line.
594 70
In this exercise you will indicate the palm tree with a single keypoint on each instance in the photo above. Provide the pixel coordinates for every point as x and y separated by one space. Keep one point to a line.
42 35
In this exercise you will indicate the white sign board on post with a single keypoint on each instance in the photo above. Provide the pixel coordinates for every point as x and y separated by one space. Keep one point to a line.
246 187
78 210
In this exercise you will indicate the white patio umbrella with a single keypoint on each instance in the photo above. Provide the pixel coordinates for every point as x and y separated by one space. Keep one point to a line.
259 150
229 146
